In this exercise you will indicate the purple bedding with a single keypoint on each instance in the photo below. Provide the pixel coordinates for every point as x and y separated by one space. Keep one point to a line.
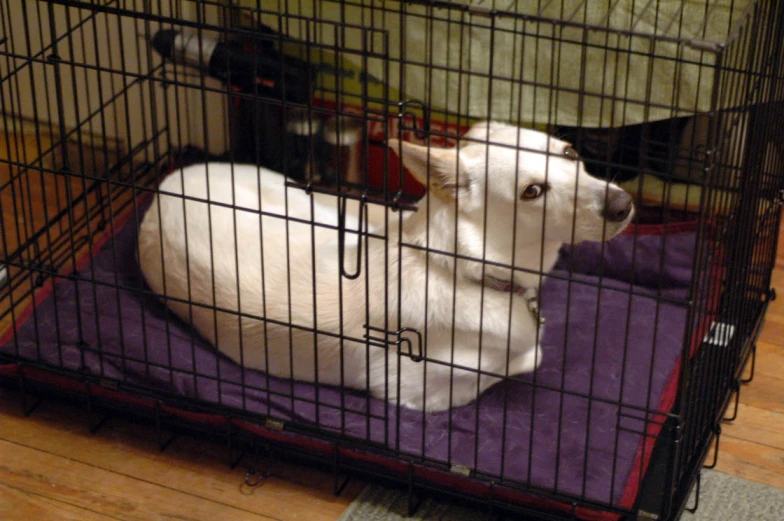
609 335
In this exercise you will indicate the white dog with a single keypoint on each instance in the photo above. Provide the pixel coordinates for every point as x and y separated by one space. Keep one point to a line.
511 203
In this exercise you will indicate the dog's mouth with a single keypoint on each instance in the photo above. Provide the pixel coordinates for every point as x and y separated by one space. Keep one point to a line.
618 211
614 227
618 206
602 227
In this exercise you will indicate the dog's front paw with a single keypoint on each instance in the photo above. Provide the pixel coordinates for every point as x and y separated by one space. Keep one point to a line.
441 397
527 362
435 400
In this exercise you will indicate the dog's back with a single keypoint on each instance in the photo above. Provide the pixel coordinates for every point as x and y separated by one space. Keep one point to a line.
250 249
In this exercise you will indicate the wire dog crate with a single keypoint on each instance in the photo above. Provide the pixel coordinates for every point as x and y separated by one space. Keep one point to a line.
646 335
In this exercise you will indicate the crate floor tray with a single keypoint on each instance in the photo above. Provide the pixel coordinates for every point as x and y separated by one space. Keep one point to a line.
583 425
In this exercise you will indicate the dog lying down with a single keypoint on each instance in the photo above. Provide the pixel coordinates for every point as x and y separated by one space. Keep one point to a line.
512 206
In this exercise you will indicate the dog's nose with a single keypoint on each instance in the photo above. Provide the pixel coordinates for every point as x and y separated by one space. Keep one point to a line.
619 206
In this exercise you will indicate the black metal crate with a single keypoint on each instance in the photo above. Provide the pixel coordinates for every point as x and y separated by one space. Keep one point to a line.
646 337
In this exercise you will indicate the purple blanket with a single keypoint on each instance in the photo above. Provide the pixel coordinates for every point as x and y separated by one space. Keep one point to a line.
615 329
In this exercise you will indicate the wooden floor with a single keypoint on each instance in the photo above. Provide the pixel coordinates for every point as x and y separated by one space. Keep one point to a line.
52 468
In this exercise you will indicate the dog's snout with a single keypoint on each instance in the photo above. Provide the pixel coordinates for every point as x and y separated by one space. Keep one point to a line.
618 207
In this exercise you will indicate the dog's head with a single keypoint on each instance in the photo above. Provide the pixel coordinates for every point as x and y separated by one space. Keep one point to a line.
503 178
505 170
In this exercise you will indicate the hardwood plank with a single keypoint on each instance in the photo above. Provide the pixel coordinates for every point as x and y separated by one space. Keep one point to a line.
194 466
22 505
757 425
752 461
773 329
765 392
56 478
770 357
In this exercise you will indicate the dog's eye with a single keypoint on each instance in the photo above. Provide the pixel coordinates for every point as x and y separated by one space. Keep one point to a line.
532 192
570 152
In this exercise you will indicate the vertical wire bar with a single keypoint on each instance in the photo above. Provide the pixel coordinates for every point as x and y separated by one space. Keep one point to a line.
287 213
363 222
98 113
402 89
597 315
535 90
366 293
649 409
51 147
218 369
81 161
201 19
257 111
555 52
389 301
338 111
172 92
313 257
157 125
145 150
25 196
742 251
227 22
128 135
569 286
466 24
700 312
634 259
104 360
385 183
735 306
521 33
458 112
105 166
489 109
318 32
55 59
365 187
716 371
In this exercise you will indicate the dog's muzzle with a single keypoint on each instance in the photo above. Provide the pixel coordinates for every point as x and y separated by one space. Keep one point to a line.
618 206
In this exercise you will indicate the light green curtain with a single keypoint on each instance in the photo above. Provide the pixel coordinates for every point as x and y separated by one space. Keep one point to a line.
512 68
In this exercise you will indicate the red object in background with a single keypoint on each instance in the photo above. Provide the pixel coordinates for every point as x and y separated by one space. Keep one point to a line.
382 162
377 154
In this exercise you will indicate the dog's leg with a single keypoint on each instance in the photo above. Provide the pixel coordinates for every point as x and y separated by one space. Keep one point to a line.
424 385
445 387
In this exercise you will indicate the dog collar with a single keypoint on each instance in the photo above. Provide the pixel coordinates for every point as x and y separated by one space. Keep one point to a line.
531 295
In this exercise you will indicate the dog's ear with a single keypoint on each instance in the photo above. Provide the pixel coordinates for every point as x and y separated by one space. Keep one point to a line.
484 130
438 169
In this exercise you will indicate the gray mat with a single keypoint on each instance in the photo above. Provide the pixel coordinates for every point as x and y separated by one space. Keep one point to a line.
722 498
